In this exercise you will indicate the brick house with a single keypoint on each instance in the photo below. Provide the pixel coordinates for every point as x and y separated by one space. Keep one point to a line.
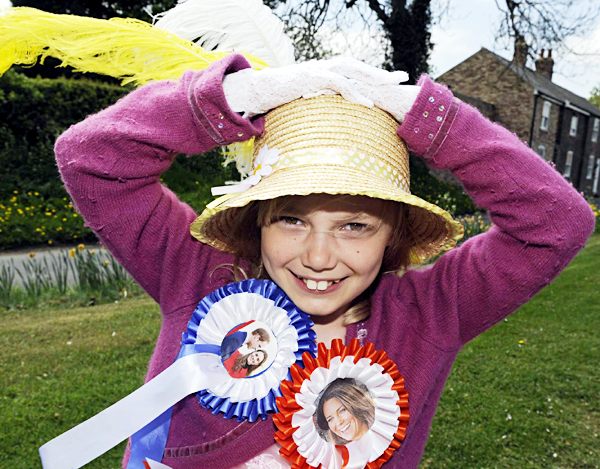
561 126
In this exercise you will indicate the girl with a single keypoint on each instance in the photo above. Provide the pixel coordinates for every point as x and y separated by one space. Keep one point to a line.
345 412
330 224
242 366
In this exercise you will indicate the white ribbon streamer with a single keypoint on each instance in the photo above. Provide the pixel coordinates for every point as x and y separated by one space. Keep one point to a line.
92 438
156 465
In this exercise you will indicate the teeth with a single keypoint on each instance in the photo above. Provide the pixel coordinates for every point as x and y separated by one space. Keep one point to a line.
321 285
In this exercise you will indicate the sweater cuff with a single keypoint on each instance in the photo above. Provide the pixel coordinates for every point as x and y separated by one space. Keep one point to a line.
210 108
427 123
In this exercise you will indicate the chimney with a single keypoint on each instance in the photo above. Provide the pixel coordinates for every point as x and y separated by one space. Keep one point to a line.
521 51
544 65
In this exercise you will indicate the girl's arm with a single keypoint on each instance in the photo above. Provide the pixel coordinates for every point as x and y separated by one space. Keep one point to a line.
111 163
540 221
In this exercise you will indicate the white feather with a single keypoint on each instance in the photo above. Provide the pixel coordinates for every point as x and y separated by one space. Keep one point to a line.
231 25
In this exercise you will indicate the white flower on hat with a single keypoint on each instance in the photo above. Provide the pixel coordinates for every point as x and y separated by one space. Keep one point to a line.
262 165
262 168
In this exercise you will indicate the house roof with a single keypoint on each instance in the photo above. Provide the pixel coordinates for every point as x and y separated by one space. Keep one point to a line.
545 86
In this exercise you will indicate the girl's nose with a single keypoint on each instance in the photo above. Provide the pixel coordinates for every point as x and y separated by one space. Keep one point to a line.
319 252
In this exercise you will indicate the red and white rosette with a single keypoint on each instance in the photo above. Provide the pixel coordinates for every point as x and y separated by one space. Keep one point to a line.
302 410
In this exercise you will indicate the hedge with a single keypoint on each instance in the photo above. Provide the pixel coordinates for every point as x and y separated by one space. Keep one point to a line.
33 113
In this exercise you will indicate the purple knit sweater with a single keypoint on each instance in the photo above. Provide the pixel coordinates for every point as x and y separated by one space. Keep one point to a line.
111 164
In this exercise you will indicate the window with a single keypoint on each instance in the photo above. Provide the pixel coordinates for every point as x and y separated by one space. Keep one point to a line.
568 164
545 115
574 122
596 130
542 151
590 168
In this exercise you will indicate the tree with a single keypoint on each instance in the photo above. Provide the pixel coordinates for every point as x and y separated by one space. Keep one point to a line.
405 23
101 9
545 24
595 96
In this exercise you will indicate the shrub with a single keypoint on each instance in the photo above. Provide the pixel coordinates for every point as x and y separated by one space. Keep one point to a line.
33 113
28 219
450 197
34 206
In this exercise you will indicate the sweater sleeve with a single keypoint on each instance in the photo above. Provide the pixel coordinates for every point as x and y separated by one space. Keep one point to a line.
111 164
540 221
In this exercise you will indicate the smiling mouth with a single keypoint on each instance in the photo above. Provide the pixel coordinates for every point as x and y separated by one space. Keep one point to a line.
318 285
345 428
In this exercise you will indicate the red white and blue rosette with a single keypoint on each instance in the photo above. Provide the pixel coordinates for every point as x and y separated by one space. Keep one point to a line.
235 311
331 397
260 301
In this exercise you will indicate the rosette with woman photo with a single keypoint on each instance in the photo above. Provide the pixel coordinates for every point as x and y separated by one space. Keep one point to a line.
347 408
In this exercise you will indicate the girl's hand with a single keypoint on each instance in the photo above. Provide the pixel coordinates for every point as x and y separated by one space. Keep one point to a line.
378 85
253 92
394 99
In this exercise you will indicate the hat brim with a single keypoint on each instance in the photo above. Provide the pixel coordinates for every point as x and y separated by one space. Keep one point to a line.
433 228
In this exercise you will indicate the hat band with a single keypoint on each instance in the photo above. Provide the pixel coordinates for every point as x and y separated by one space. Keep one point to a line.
270 160
344 157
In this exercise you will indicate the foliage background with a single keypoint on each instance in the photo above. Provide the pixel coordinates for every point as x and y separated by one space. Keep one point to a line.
34 206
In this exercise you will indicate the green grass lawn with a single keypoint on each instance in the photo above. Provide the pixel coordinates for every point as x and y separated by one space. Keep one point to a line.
506 405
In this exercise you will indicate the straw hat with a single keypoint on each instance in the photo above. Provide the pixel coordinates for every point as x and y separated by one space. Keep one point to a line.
329 145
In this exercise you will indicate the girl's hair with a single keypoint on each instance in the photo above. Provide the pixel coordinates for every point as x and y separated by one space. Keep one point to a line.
355 398
252 217
242 362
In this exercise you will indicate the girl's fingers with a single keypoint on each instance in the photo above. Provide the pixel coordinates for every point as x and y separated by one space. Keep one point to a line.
357 70
255 92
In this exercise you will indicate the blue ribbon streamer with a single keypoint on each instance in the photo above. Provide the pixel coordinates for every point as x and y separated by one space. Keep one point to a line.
150 441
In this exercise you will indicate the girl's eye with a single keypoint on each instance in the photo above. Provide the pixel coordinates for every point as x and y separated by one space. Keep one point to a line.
356 227
342 410
289 220
356 230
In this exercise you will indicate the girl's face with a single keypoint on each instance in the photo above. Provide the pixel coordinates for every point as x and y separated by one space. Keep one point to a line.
256 358
325 250
341 421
